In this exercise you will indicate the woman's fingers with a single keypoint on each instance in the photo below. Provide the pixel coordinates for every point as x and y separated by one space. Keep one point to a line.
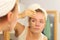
29 12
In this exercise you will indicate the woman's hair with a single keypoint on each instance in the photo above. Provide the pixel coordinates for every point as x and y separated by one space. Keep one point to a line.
37 10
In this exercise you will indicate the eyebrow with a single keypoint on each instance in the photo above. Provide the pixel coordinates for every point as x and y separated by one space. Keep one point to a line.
35 19
32 18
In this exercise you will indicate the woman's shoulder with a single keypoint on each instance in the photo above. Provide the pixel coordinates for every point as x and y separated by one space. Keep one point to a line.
19 28
44 37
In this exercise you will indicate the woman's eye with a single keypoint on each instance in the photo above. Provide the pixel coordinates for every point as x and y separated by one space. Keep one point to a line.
41 21
33 20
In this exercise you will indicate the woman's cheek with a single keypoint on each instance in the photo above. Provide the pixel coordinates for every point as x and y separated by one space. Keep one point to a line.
14 22
42 27
32 24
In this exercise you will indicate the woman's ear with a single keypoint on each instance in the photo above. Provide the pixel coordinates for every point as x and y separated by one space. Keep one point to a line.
9 16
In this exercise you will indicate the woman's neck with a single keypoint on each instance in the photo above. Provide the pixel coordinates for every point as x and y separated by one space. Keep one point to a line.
34 35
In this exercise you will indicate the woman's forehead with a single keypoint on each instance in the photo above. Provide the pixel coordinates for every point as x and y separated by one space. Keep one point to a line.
38 15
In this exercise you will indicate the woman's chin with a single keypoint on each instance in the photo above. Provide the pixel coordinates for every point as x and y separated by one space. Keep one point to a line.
37 31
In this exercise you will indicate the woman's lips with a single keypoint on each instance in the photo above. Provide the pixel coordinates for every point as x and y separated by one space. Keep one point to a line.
37 28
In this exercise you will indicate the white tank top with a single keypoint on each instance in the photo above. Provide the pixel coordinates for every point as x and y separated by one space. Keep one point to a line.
24 33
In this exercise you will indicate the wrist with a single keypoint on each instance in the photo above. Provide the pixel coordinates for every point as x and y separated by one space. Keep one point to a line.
22 15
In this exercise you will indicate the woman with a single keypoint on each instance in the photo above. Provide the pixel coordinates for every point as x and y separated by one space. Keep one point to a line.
8 14
37 22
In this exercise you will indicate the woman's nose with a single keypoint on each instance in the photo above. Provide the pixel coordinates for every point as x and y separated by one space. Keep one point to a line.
37 24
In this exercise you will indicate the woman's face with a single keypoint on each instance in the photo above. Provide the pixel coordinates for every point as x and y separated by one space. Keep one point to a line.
37 22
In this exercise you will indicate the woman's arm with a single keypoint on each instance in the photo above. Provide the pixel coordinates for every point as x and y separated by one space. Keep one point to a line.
19 29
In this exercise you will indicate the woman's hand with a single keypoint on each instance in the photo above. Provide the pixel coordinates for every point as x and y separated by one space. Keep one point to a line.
27 12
